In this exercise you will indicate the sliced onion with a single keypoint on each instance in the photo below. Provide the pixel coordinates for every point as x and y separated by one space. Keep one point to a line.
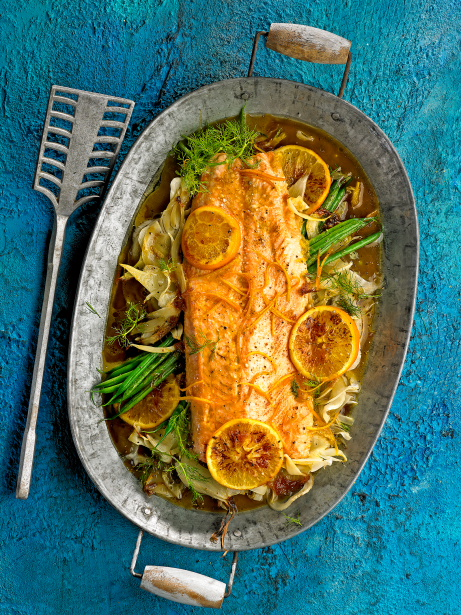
364 334
260 490
255 496
175 187
346 419
303 137
207 486
291 206
343 212
177 331
162 489
357 360
291 468
298 189
180 276
137 241
154 349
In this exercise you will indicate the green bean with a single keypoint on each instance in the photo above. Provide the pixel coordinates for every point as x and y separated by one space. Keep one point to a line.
348 249
335 230
133 376
331 195
325 240
109 382
106 390
126 366
157 369
337 201
137 374
333 199
303 229
145 391
166 372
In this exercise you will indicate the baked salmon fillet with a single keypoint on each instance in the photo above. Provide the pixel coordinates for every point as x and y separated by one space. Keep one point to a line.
238 318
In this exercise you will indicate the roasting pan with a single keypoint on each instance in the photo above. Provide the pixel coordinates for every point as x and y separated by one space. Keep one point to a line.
138 173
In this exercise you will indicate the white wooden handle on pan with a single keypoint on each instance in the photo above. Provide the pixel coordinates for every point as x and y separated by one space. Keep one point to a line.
308 44
183 586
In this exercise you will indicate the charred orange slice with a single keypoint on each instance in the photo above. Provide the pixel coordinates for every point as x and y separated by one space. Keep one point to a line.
297 161
155 407
211 237
324 343
244 454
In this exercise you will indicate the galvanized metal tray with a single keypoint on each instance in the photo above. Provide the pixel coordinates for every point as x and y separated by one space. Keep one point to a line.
134 180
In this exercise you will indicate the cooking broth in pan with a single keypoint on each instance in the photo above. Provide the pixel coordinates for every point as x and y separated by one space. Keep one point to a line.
366 263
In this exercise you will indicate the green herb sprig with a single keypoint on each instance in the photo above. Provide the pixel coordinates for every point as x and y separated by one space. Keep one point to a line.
190 474
133 316
167 266
92 310
290 520
198 151
197 346
350 292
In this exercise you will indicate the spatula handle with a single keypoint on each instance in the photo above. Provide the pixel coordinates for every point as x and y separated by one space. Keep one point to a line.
28 443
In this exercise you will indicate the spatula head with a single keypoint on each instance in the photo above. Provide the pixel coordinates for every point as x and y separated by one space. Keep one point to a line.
82 136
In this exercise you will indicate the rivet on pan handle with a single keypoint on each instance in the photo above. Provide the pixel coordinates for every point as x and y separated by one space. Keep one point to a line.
308 44
183 586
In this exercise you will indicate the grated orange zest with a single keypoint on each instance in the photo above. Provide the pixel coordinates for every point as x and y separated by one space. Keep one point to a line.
260 314
278 266
237 290
266 356
192 385
192 398
225 299
282 316
257 389
261 175
275 311
320 267
280 380
263 373
215 306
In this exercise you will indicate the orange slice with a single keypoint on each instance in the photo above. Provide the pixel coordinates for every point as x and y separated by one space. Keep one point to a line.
155 408
211 237
297 161
324 343
244 454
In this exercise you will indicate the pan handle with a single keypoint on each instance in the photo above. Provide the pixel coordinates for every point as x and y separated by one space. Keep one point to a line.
308 44
183 586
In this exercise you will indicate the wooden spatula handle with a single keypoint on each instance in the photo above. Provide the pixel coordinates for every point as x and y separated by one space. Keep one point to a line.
309 44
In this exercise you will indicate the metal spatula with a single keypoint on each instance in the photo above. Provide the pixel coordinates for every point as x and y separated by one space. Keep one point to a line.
82 136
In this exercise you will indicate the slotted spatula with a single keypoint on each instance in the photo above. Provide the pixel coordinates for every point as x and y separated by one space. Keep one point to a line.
82 136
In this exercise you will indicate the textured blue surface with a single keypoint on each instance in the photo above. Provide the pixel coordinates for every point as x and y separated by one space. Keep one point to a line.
392 545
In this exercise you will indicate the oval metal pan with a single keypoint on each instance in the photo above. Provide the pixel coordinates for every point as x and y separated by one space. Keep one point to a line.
384 168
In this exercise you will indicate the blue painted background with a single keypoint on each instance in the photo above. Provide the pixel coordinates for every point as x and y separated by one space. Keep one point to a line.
392 545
